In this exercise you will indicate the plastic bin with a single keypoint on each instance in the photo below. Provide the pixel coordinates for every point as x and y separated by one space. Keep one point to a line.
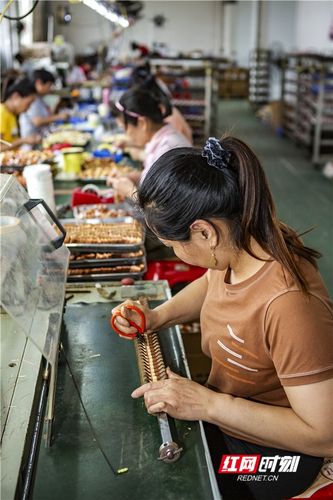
176 272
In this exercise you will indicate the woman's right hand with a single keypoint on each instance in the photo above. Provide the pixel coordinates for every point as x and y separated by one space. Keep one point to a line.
63 115
114 174
122 186
33 139
127 314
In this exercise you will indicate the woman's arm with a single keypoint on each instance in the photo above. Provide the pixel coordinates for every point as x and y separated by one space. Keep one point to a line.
306 427
40 121
31 139
134 176
183 307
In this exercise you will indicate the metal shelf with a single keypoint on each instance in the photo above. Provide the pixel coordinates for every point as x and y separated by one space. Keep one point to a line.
313 99
259 76
188 102
185 77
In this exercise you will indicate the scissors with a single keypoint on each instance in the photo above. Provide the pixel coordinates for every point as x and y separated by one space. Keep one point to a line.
141 326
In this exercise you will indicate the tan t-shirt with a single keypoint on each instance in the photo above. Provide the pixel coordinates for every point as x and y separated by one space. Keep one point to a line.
263 334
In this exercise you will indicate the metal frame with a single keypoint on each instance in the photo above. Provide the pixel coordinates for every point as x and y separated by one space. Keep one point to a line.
209 67
311 110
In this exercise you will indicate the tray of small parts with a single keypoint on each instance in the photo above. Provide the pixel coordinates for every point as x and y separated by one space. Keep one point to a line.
16 159
98 169
68 137
97 236
95 260
108 273
113 212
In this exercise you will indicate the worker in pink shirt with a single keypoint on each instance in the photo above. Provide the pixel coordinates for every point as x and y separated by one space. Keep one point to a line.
142 116
142 77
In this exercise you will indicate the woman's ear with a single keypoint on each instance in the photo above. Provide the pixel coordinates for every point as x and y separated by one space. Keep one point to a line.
206 231
143 123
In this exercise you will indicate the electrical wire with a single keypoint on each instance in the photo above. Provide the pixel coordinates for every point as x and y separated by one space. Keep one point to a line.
18 18
2 14
92 430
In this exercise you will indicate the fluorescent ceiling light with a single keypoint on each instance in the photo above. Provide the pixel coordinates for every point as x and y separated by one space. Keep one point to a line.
108 14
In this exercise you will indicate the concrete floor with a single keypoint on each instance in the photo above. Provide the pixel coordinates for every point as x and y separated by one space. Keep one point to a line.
304 198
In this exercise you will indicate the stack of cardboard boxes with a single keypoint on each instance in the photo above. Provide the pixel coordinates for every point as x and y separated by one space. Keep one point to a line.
234 82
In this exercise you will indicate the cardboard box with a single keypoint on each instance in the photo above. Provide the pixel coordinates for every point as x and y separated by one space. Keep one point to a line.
272 114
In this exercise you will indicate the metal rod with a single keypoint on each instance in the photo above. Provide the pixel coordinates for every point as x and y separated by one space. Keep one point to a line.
27 483
148 348
259 24
50 28
6 143
50 406
319 118
164 427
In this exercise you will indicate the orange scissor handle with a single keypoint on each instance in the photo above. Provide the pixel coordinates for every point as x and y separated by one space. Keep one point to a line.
141 328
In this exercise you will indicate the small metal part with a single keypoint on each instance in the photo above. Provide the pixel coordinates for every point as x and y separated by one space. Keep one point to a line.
169 452
137 292
104 292
122 471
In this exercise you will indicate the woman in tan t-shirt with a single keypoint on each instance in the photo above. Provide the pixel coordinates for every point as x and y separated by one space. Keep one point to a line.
265 314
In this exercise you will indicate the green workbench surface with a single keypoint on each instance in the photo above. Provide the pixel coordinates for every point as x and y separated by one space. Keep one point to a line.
106 371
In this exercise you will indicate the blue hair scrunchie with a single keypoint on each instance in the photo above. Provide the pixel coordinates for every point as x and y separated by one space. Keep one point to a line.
216 155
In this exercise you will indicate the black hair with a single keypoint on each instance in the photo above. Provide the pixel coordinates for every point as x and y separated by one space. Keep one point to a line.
182 187
43 75
141 73
19 57
24 87
144 103
143 78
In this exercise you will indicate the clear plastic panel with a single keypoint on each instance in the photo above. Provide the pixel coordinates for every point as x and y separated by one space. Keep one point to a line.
33 272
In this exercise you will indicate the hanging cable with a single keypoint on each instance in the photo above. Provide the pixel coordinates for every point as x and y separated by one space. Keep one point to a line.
18 18
6 7
92 430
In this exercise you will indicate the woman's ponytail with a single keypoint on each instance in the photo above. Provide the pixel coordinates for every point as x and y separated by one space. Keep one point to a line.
223 181
258 218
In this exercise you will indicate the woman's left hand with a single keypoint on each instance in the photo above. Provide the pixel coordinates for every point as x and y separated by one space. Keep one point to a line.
179 397
123 187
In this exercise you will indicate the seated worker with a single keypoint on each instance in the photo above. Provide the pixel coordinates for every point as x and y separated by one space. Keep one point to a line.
142 116
143 78
18 98
266 321
39 115
75 76
143 49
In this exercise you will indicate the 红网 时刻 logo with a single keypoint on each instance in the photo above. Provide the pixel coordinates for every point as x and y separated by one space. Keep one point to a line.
253 464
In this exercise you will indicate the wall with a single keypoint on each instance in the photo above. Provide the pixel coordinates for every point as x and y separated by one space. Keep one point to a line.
313 24
209 26
189 25
279 25
87 27
286 25
298 25
243 30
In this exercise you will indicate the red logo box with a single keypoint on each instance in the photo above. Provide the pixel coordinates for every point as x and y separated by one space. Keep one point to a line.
239 464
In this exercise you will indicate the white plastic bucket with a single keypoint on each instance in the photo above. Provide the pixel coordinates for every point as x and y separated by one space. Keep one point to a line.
40 183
